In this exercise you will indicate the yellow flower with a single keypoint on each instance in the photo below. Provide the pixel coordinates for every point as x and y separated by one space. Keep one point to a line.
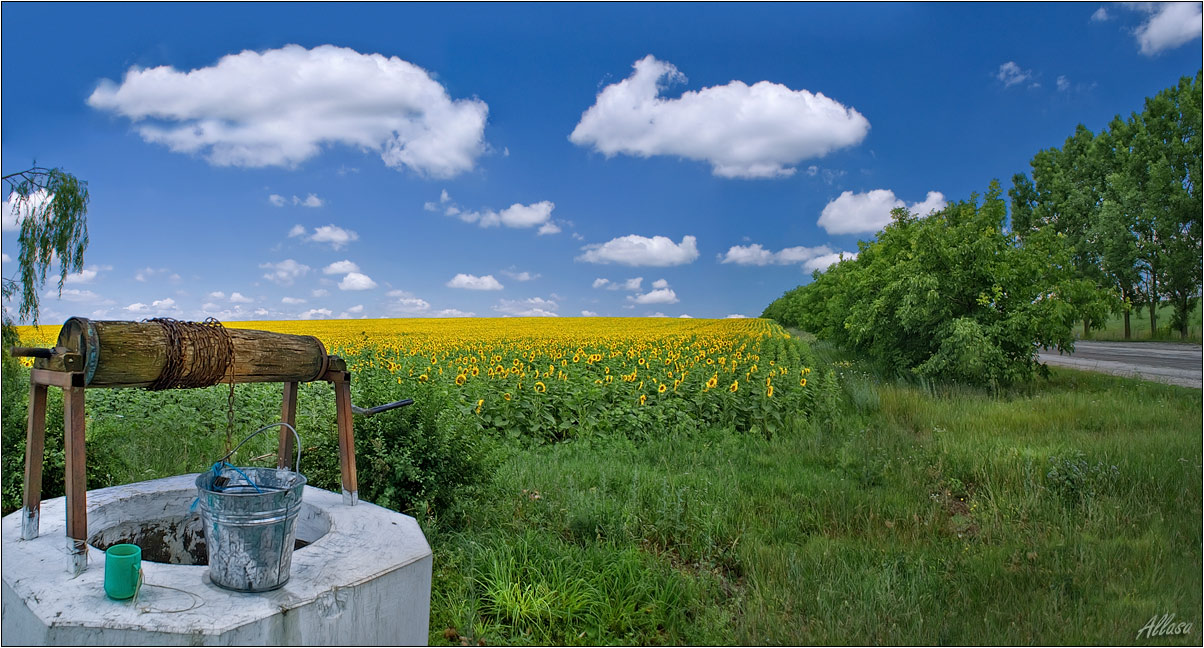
475 371
540 387
802 382
506 396
460 379
735 386
479 404
713 382
662 388
768 380
769 392
423 378
643 398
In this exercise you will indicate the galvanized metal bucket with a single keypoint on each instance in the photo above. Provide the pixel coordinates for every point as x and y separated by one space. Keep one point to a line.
250 520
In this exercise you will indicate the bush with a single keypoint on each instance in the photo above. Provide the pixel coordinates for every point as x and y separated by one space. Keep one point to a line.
950 296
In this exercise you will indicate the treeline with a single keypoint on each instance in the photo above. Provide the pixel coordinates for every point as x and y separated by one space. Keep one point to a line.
1110 222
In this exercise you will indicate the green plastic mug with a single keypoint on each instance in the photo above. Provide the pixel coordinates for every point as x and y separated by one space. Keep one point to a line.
123 571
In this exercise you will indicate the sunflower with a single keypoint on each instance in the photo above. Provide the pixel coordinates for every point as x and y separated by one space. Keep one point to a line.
735 386
802 382
662 388
506 396
540 387
423 378
460 379
643 399
769 392
480 403
713 382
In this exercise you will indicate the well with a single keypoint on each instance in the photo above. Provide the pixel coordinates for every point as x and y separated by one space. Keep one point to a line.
361 575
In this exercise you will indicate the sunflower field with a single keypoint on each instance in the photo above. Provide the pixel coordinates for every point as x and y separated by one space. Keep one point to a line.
483 383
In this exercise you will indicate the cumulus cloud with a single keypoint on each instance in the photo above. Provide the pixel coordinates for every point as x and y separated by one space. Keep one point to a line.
473 282
238 298
453 312
298 230
292 301
336 236
284 272
826 261
517 216
410 305
341 267
1170 24
1011 74
311 200
742 131
634 250
316 312
755 254
1100 15
533 307
278 201
588 313
137 307
148 273
664 295
632 284
356 281
1063 83
16 209
852 213
86 275
280 107
77 295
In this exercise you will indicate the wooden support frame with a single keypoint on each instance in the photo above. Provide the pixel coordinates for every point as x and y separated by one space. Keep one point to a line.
74 423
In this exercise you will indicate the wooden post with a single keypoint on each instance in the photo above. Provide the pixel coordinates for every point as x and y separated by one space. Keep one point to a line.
35 455
76 481
342 404
286 456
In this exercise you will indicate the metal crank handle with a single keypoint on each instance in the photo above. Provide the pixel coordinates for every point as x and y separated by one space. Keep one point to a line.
32 352
381 408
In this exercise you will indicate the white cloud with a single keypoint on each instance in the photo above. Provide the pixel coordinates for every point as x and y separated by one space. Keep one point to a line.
164 304
358 308
736 316
660 283
1170 25
1011 74
16 209
217 294
280 107
298 230
825 261
410 305
320 292
261 311
336 236
533 307
356 281
312 200
148 273
453 312
517 216
632 284
743 131
4 257
76 295
284 272
278 201
341 267
851 213
238 298
588 313
1063 83
137 307
316 312
473 282
292 301
634 250
1100 15
600 282
86 275
658 296
684 316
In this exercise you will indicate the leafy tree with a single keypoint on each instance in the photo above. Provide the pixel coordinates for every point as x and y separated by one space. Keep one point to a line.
52 207
953 295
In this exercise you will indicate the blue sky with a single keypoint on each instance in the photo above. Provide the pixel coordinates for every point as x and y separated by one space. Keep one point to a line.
284 161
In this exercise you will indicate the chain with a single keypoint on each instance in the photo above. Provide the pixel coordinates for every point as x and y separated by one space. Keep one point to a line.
211 358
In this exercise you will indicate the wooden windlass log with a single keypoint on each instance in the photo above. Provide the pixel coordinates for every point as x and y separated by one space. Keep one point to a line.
134 354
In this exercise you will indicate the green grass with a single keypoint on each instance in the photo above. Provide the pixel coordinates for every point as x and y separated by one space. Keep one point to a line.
1066 511
1139 327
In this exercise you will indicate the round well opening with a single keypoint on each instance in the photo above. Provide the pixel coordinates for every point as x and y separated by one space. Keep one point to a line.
162 524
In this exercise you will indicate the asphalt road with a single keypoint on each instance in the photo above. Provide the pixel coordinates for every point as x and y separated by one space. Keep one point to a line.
1177 364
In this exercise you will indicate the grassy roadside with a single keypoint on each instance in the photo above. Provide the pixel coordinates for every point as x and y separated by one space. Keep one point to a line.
1139 327
1066 513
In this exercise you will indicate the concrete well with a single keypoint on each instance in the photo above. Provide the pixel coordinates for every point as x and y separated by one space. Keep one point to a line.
361 575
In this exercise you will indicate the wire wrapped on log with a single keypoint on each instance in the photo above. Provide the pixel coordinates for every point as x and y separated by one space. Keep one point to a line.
211 357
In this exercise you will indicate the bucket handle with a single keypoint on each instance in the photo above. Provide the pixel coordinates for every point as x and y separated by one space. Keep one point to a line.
296 437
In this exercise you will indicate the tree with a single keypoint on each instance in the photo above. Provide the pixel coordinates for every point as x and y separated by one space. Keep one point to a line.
52 207
953 295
